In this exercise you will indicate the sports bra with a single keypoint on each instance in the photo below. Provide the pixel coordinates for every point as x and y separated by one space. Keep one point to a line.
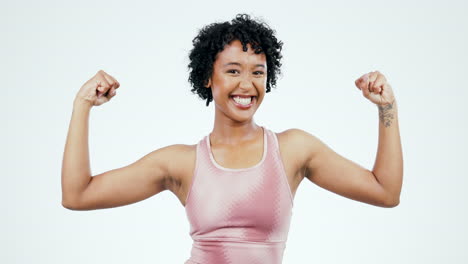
239 216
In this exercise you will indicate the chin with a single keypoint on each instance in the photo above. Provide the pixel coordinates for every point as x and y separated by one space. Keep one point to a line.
242 118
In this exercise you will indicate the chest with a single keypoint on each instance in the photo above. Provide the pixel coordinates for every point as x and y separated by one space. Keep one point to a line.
242 156
250 203
237 157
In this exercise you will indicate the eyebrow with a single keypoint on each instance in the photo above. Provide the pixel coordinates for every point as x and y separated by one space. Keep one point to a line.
238 64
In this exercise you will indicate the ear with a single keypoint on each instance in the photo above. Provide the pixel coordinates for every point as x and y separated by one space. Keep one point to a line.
208 85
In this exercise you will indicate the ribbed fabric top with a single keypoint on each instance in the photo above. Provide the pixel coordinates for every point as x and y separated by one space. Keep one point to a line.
239 216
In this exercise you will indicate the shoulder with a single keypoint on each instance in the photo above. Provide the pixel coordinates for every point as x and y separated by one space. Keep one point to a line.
298 145
180 148
177 161
172 152
297 138
171 158
176 155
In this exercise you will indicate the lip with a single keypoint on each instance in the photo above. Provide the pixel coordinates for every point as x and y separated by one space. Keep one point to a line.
241 106
242 95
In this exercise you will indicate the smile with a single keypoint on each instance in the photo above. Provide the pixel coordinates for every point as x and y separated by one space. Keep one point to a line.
243 102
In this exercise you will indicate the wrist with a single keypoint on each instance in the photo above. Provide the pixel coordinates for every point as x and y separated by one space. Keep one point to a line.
82 103
387 105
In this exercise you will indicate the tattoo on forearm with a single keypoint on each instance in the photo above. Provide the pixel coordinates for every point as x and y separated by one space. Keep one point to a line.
386 114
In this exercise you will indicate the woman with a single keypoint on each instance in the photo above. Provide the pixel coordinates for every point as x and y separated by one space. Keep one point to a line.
238 183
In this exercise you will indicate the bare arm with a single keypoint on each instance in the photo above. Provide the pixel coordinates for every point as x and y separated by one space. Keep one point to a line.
388 167
382 185
135 182
140 180
76 172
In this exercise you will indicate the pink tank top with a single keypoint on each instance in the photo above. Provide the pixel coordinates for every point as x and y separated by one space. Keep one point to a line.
239 216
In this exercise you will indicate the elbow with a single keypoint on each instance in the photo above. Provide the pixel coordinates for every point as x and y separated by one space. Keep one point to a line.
68 205
71 204
391 202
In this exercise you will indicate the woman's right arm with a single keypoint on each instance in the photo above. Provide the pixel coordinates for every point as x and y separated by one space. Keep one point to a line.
135 182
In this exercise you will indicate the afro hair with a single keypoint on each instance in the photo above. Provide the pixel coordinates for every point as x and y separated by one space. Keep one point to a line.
212 39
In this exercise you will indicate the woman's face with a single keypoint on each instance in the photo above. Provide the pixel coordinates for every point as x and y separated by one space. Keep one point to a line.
238 82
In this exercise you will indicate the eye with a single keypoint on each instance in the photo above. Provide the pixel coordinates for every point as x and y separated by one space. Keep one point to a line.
258 73
233 71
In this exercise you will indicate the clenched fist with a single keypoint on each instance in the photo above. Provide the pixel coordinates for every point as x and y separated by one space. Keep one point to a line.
374 86
98 90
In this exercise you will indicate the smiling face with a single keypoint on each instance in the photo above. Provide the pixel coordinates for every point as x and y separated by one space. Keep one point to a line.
238 82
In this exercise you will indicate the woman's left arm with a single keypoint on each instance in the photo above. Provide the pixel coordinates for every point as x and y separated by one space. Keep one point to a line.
382 185
388 167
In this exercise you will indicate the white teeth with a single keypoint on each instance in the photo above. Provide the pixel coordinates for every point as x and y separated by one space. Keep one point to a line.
242 101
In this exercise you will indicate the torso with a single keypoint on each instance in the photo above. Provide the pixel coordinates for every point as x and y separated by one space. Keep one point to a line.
240 156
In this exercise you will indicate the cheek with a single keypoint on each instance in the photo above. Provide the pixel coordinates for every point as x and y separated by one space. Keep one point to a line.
219 88
215 90
261 84
222 84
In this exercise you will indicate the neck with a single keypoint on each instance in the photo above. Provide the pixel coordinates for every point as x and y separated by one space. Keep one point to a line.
230 132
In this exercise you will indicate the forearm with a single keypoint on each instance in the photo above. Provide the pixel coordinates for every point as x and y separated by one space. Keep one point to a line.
76 172
388 167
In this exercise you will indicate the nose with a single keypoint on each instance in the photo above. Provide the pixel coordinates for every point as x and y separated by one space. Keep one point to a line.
246 83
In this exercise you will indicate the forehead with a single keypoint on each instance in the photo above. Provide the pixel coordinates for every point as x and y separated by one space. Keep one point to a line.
233 52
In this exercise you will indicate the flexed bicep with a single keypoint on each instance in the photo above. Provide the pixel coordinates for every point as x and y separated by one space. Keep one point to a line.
335 173
138 181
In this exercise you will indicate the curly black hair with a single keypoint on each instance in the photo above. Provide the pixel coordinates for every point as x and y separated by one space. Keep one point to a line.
211 40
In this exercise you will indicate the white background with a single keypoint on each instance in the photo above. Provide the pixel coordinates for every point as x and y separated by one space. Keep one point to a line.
48 49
